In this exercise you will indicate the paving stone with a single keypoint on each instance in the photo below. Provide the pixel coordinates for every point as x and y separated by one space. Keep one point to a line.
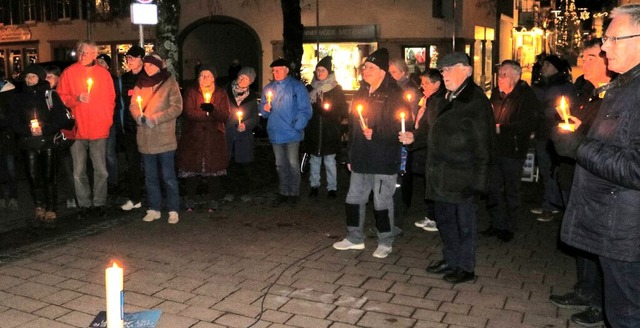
401 288
51 311
71 284
315 285
349 301
234 320
305 321
350 291
346 314
377 296
243 309
496 314
377 284
531 307
44 323
202 324
464 320
352 280
506 291
374 319
395 309
276 316
454 308
314 296
141 300
9 281
307 308
44 267
430 324
77 319
14 318
396 276
474 298
22 303
169 320
245 296
18 272
202 301
61 297
171 307
543 320
214 290
174 295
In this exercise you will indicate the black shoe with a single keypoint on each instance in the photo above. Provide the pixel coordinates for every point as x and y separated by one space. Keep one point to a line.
280 199
569 301
505 235
459 276
292 201
99 211
440 267
332 194
491 231
83 213
592 317
313 192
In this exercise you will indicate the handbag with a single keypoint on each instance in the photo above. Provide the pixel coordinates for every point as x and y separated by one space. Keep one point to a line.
61 140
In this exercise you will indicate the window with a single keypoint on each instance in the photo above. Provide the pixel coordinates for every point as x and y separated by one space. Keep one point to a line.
30 10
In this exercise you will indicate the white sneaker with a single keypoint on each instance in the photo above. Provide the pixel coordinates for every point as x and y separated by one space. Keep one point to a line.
173 217
129 205
382 251
151 216
71 203
427 224
344 245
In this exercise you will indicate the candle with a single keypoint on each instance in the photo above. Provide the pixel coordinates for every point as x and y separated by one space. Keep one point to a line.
239 114
402 125
89 84
326 106
364 125
207 97
115 296
408 97
269 96
564 111
139 100
35 124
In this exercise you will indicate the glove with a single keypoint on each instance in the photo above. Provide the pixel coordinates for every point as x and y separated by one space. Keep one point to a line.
566 142
149 123
207 107
141 119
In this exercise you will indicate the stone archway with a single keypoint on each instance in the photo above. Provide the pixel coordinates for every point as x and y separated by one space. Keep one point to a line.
218 40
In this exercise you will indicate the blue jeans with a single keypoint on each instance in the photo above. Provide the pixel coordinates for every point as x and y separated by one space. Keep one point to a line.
329 168
458 230
8 176
621 292
589 284
164 164
97 152
112 157
288 167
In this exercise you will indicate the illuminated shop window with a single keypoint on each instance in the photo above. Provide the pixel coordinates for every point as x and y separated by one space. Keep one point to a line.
347 59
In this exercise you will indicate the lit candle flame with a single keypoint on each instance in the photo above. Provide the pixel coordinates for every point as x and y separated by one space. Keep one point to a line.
207 97
402 122
269 96
409 97
564 111
326 106
89 84
139 100
239 114
359 109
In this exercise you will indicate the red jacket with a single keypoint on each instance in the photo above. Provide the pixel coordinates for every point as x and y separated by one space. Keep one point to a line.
93 119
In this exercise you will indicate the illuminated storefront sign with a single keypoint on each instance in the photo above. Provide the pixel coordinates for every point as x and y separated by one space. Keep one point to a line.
340 33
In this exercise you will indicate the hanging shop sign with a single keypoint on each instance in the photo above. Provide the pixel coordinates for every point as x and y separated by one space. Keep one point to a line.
340 33
14 33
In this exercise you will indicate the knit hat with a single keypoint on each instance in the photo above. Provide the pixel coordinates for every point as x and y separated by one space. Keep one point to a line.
153 59
379 58
106 58
135 51
454 58
560 64
280 62
249 72
326 63
34 69
207 67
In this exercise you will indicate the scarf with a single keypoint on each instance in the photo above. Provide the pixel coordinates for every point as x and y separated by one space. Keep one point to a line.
239 93
146 81
320 87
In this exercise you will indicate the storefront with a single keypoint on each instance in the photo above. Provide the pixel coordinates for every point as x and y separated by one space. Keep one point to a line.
348 45
17 50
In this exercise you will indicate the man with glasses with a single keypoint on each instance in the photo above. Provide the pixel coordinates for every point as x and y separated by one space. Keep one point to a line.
460 148
603 213
126 128
87 88
514 108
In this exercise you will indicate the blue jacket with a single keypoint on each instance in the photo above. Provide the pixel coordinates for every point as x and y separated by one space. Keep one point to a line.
290 110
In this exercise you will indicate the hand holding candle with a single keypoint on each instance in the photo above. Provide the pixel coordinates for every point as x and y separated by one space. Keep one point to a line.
139 100
207 97
269 97
115 296
239 115
565 113
36 130
402 123
362 123
89 84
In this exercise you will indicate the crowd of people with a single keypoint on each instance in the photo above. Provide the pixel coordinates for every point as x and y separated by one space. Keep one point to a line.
462 143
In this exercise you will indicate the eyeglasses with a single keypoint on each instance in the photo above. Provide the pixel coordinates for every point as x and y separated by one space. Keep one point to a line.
615 39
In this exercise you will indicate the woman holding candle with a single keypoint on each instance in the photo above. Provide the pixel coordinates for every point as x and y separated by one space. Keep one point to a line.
156 135
35 122
239 128
202 152
322 134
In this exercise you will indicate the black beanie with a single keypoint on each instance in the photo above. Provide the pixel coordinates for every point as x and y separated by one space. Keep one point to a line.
326 63
560 64
379 58
34 69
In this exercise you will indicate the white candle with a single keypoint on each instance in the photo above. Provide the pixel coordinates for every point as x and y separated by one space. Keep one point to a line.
89 84
269 96
115 296
402 125
239 114
139 100
359 109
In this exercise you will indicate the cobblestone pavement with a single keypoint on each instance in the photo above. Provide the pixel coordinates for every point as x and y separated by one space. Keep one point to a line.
250 265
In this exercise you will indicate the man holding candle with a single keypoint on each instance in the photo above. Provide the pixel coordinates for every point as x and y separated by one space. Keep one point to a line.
323 132
374 154
602 215
514 109
285 103
460 153
94 115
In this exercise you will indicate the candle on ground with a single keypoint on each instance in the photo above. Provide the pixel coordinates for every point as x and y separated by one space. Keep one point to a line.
115 296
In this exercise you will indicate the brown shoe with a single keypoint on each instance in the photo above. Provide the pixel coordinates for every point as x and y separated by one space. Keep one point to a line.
49 219
39 213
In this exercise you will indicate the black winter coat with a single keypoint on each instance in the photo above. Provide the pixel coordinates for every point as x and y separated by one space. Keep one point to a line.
603 211
461 147
381 110
517 115
322 134
124 122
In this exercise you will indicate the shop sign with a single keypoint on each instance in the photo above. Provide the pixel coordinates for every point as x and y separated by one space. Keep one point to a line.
14 33
340 33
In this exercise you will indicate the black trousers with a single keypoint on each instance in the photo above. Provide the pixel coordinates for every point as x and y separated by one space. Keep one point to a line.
41 173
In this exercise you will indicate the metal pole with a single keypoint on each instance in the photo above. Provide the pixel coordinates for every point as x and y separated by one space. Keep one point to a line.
453 38
141 33
317 31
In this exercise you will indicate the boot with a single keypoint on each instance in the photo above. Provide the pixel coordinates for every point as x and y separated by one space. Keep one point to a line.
49 220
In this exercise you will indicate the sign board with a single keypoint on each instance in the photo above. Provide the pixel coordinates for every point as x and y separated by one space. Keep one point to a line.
340 33
14 33
144 14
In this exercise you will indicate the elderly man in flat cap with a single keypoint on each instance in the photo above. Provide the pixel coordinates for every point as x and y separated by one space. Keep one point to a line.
459 158
285 103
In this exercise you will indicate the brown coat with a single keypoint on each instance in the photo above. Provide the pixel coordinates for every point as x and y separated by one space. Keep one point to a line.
161 109
203 147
